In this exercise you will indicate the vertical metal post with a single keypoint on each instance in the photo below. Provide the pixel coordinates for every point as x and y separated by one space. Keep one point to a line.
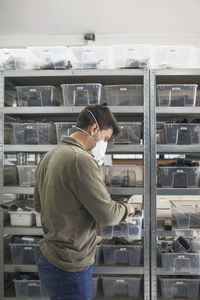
146 200
153 185
1 187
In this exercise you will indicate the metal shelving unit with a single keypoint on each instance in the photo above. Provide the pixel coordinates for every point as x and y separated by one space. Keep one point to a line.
57 77
157 113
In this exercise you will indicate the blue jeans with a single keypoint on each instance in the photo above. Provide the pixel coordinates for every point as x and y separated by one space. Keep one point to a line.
64 285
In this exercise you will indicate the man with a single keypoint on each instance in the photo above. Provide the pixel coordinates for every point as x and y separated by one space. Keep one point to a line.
72 198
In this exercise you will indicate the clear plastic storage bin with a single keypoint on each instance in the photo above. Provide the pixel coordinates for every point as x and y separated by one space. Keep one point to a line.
178 177
123 175
181 133
179 287
82 94
26 175
91 57
10 175
124 95
22 218
46 95
131 228
38 219
16 59
130 133
132 56
95 280
172 57
30 289
25 253
34 133
122 254
181 262
122 286
186 213
64 128
177 94
51 57
8 133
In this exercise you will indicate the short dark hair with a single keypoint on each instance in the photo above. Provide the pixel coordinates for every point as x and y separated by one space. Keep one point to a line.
103 115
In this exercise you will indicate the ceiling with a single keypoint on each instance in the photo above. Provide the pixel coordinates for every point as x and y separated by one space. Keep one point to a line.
73 18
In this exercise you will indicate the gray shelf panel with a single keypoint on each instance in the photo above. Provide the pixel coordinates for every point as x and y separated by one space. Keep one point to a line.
20 268
177 72
111 190
68 110
97 269
178 191
18 190
45 148
178 148
178 232
23 230
125 191
161 271
174 111
73 72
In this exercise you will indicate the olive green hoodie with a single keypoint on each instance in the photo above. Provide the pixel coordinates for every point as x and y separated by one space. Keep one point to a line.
71 196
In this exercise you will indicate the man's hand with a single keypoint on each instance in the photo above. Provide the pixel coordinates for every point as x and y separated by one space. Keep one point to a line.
131 210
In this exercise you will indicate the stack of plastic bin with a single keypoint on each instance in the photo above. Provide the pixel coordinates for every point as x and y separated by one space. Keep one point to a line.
131 228
177 94
26 175
181 133
29 286
123 175
91 57
16 59
131 56
124 95
178 177
179 287
34 133
130 133
38 96
122 254
82 94
25 250
51 57
186 213
122 286
64 128
172 57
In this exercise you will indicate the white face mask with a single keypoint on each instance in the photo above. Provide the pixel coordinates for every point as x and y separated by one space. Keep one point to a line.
99 150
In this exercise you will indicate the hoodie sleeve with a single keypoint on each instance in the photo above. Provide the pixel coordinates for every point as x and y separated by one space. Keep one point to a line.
92 192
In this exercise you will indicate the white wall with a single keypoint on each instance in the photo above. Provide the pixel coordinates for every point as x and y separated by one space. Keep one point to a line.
56 22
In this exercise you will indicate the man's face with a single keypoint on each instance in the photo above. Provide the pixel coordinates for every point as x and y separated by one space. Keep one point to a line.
106 134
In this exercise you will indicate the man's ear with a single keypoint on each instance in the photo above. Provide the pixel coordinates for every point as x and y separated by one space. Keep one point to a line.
94 128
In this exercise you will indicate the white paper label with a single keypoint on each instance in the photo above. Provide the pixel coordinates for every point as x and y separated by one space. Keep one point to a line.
122 249
79 88
32 90
183 128
179 283
179 171
28 248
123 89
120 280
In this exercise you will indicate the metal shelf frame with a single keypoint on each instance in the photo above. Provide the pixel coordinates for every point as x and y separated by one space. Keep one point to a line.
56 77
167 77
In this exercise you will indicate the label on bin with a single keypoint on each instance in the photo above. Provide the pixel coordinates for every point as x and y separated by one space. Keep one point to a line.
33 284
179 171
179 282
133 222
181 256
183 128
119 280
32 90
28 239
123 89
28 248
122 249
29 127
176 89
79 88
